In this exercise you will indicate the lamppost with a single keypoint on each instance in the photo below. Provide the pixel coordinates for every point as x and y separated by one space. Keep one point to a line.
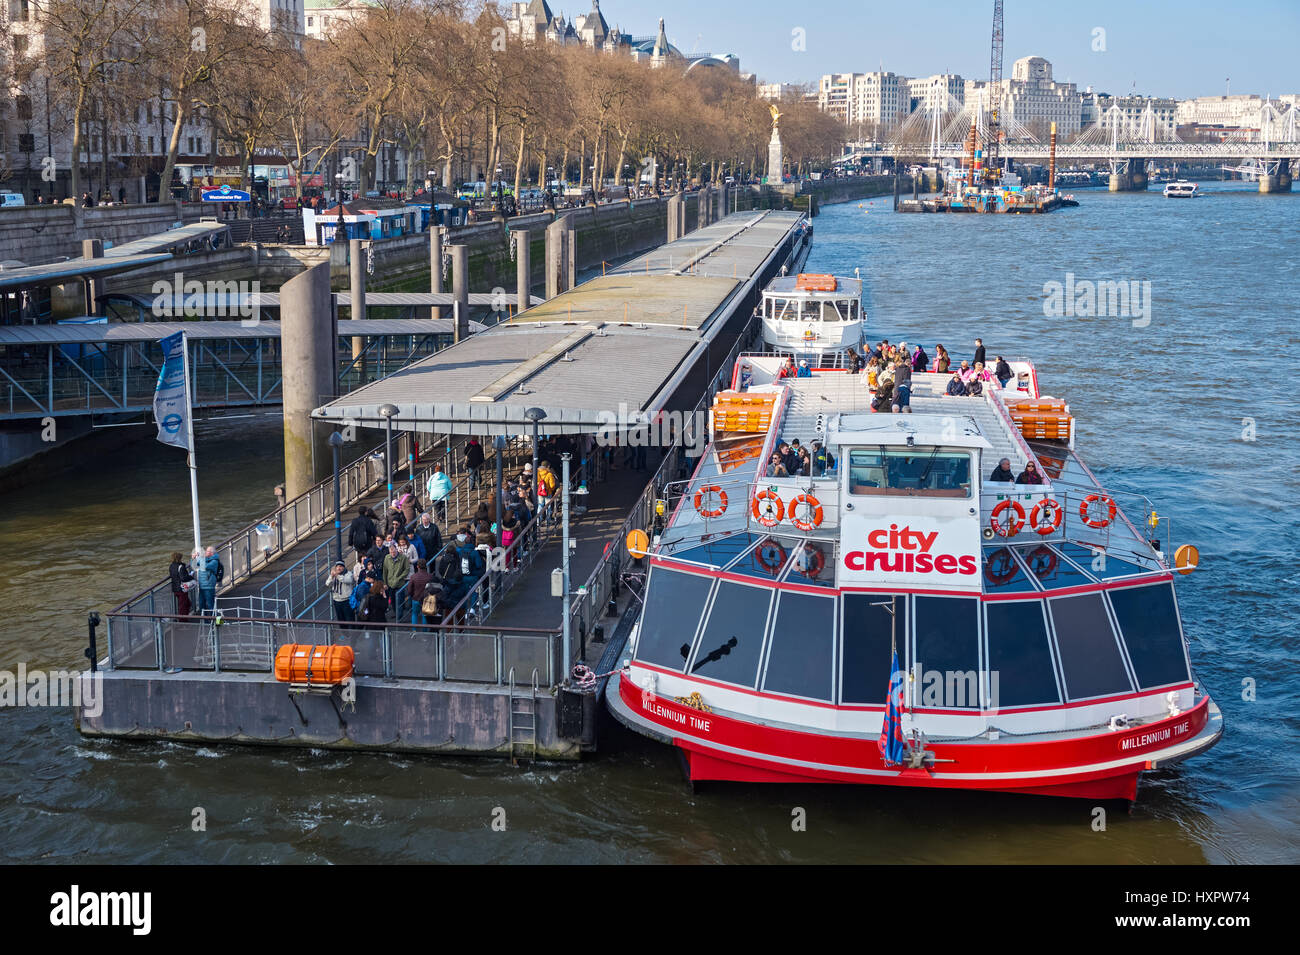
500 208
340 230
387 412
336 444
428 188
593 185
535 415
550 178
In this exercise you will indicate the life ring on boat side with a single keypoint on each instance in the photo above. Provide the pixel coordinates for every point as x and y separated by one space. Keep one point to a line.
1051 514
711 512
1013 525
1001 568
1037 566
1104 501
768 508
771 549
815 512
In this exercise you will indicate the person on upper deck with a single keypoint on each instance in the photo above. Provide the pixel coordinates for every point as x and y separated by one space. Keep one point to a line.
920 360
941 360
854 361
956 387
1003 472
776 465
1002 371
966 371
902 386
884 398
788 370
979 351
804 371
1030 475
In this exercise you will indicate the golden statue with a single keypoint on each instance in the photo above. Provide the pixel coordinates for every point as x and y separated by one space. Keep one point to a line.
776 116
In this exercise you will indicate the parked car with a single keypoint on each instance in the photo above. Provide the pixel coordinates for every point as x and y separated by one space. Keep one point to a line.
8 199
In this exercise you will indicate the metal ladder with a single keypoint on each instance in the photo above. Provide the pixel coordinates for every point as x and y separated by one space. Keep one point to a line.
523 721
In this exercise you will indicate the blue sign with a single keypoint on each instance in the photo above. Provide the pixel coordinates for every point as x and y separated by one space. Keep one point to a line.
226 194
170 408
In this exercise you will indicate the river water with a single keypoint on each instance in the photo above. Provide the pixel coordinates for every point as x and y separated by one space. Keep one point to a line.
1162 409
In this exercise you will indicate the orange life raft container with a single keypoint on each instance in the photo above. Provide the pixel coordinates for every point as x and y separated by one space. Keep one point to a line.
313 664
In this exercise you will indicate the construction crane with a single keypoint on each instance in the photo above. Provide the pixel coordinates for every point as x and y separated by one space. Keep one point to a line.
992 157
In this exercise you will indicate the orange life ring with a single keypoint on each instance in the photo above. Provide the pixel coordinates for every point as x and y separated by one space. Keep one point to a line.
722 501
1046 506
1014 525
764 514
771 566
1000 568
814 509
1105 501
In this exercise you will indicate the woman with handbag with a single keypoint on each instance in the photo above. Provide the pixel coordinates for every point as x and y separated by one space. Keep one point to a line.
183 583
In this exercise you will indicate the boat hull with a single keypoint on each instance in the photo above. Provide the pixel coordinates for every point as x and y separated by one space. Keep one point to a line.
1103 765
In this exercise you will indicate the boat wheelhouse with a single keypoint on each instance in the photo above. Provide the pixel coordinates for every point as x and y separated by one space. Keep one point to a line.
813 318
1036 630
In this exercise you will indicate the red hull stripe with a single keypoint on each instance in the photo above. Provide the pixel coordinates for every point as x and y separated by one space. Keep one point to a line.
976 764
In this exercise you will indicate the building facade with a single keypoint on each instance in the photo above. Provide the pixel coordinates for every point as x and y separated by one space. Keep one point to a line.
879 99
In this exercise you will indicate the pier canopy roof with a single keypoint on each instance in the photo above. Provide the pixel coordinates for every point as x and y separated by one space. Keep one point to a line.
166 241
582 375
90 332
58 273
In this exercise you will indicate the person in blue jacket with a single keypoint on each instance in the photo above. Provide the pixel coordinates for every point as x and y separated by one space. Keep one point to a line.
208 572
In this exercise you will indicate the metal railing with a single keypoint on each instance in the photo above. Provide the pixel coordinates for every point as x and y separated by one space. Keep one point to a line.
394 651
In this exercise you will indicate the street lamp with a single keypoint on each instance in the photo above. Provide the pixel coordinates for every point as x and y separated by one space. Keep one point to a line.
428 189
535 415
340 230
387 412
336 444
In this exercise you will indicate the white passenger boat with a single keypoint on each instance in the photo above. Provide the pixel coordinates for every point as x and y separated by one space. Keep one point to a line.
1182 189
813 318
904 615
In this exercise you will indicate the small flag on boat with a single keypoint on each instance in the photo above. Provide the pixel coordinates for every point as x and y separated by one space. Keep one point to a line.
171 408
891 746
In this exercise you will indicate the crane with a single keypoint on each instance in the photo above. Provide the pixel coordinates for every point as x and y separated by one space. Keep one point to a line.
992 159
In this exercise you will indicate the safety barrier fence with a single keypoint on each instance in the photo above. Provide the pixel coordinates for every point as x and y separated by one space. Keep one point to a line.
151 642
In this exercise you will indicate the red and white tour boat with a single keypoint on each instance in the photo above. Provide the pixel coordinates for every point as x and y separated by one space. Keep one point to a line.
1036 628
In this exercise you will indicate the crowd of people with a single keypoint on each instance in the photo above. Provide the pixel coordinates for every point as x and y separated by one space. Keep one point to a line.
402 549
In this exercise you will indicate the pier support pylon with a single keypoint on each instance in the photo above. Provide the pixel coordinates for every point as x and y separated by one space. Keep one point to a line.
1276 176
308 337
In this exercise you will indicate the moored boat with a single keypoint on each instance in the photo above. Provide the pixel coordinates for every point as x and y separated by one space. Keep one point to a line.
899 617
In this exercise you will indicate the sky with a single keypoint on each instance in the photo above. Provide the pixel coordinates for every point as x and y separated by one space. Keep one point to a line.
1180 49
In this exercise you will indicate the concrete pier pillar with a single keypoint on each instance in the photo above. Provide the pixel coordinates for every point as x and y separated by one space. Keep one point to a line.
460 289
1279 181
681 216
673 206
571 254
435 265
704 207
1130 176
523 270
94 249
357 286
308 373
557 237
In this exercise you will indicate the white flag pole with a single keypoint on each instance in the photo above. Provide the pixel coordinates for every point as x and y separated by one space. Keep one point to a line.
189 427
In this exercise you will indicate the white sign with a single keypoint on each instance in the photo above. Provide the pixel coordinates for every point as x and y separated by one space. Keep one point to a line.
919 550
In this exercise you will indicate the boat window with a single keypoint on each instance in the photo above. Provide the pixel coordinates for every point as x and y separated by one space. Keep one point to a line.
766 560
673 604
719 552
1090 656
1148 619
910 472
732 642
813 564
947 651
867 662
1020 656
830 311
802 659
1003 573
1052 570
1103 565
